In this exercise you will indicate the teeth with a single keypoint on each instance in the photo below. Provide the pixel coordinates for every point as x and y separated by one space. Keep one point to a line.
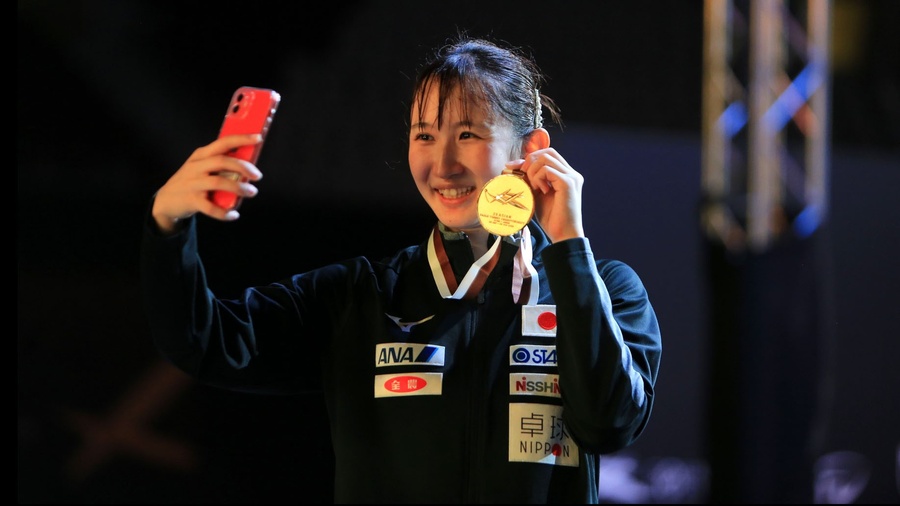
453 193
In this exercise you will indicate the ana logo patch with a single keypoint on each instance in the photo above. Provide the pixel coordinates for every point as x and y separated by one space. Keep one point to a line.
387 354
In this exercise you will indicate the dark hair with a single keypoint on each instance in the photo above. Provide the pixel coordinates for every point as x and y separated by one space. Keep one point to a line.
503 78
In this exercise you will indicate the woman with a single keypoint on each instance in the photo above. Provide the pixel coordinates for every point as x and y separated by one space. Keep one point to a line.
492 362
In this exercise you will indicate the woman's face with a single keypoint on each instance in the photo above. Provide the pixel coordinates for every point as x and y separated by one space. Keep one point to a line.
450 165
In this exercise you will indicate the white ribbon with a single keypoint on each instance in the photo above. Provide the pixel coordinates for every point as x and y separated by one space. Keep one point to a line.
474 279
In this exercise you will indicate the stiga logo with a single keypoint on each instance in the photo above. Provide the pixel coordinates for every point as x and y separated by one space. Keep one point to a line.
387 354
546 385
395 385
527 354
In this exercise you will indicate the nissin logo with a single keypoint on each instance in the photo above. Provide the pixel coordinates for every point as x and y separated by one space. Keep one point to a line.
546 385
532 355
388 354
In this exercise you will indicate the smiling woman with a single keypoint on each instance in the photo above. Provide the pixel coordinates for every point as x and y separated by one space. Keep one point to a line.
444 322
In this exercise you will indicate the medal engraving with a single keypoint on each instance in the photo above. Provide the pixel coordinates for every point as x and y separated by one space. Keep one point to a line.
506 204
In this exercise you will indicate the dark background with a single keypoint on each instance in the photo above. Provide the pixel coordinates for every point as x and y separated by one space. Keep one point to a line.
113 96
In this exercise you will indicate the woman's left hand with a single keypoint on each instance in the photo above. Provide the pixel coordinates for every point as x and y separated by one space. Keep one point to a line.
557 192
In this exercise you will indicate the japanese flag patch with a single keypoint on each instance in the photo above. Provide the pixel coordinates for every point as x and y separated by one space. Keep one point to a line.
539 320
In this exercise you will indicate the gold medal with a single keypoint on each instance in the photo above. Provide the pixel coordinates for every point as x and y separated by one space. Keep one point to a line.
506 204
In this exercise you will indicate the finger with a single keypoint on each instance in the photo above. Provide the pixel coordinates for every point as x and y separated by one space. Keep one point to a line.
225 144
209 208
241 188
515 164
539 177
541 183
225 163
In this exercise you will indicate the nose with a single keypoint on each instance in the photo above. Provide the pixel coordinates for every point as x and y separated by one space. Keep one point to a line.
447 164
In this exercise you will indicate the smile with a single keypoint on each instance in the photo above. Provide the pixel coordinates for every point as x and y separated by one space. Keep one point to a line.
455 193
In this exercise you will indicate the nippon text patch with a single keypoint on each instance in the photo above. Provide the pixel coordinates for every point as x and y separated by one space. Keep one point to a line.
537 434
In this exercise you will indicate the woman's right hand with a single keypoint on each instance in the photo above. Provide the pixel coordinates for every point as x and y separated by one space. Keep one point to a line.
187 191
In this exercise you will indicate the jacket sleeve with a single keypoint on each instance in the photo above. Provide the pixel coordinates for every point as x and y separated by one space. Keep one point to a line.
220 342
608 346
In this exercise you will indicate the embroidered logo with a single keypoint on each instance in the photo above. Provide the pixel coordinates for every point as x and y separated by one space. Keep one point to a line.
546 385
539 320
407 326
406 384
387 354
537 434
529 354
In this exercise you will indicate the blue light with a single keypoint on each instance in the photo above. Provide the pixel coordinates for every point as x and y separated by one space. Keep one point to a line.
807 222
733 119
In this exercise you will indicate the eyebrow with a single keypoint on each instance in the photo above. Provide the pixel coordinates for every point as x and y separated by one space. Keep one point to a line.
422 125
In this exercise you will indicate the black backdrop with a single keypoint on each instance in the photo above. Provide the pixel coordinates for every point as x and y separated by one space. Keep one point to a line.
112 97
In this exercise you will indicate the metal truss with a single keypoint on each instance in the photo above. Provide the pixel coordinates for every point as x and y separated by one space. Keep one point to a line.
766 120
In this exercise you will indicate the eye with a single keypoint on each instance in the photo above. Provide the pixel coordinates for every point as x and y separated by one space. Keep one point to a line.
421 136
466 135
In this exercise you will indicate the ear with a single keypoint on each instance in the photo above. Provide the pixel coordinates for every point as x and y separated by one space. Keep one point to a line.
539 138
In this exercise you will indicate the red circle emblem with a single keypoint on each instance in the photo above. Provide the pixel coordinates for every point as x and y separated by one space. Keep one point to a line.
547 320
405 384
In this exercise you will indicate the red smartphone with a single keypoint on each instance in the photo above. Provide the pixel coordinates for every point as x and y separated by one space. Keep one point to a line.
250 111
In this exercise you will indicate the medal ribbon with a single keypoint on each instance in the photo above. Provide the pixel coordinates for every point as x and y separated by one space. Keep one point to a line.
524 274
